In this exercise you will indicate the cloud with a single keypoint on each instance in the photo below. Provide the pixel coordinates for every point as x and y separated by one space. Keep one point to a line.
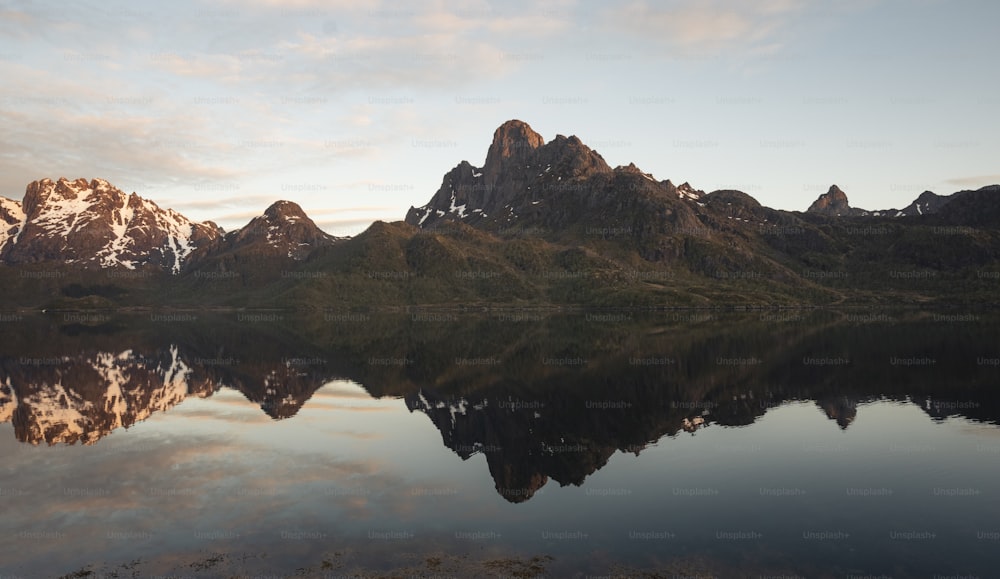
476 18
338 210
708 28
977 181
210 66
14 22
361 223
425 59
238 91
242 216
122 149
336 391
196 482
219 203
103 127
285 5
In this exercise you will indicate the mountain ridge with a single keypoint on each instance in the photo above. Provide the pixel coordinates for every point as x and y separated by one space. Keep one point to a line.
539 222
94 224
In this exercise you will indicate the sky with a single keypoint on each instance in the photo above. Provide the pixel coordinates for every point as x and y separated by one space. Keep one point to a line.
356 109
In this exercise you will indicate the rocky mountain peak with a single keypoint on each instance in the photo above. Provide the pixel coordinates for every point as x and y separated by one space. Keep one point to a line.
283 230
835 194
45 191
520 167
555 186
286 211
685 190
513 143
833 203
513 139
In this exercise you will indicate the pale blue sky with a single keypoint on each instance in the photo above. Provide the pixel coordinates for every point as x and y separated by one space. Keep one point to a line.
355 109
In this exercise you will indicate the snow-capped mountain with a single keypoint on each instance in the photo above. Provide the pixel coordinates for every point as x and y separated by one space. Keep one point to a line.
92 224
96 225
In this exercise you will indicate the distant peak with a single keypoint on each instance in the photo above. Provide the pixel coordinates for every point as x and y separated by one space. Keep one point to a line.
833 202
285 209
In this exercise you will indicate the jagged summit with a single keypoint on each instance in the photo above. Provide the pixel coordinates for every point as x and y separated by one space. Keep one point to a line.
514 143
685 190
527 181
512 139
834 203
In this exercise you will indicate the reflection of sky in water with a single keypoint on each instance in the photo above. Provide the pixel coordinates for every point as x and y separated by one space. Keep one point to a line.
217 474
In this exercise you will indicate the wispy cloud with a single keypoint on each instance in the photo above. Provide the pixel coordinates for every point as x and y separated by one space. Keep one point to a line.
220 203
976 181
708 27
341 225
341 210
207 66
239 92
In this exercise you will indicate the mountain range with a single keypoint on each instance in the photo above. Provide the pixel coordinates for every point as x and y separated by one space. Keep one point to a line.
834 203
540 222
96 225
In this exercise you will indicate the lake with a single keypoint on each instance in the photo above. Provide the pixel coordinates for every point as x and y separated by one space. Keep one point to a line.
518 443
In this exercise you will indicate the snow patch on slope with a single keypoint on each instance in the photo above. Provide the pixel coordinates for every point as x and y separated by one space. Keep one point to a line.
8 401
457 209
57 414
15 212
62 215
110 256
685 191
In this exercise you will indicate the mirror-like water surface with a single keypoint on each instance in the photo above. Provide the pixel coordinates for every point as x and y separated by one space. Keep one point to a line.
822 445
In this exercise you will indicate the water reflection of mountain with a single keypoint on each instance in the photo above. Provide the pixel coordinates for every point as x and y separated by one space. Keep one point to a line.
70 384
550 399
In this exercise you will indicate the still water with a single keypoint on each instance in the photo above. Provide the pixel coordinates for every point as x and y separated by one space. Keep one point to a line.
823 444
